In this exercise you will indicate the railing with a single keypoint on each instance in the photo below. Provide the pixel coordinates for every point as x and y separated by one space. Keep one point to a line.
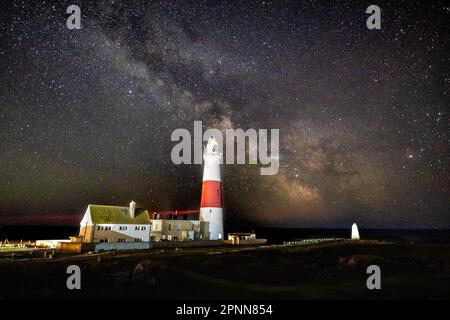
310 241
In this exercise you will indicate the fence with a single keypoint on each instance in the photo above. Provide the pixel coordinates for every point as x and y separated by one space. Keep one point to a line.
310 241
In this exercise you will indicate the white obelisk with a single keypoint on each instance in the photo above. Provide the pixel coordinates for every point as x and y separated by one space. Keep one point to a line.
355 232
211 203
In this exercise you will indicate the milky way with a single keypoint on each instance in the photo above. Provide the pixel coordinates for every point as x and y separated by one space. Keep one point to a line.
86 115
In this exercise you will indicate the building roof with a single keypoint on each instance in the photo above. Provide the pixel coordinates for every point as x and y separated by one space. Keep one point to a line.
117 215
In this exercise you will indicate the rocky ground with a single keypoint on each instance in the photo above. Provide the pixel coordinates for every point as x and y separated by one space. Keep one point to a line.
321 271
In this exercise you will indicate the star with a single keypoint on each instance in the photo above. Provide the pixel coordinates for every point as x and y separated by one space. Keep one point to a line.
87 115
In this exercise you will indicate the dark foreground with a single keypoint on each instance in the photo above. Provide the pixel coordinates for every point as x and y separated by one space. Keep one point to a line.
325 271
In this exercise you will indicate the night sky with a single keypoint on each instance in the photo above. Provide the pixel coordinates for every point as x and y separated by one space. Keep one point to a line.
86 115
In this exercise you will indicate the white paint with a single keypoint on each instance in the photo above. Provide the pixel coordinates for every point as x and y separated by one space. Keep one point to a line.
215 218
355 232
211 171
130 230
87 220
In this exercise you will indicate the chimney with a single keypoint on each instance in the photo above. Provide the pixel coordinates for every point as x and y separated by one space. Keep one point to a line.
132 209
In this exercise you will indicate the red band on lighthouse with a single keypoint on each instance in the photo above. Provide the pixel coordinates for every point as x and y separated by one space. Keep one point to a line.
211 194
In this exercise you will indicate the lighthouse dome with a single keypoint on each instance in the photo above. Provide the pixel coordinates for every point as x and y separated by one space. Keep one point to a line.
212 147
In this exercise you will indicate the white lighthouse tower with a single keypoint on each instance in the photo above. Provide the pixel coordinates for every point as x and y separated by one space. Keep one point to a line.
211 204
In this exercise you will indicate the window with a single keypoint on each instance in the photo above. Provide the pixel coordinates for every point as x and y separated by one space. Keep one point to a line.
137 239
169 227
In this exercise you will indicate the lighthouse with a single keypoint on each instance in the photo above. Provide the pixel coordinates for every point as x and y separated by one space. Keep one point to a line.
211 203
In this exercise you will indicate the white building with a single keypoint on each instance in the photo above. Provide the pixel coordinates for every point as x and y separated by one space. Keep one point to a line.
115 224
174 229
